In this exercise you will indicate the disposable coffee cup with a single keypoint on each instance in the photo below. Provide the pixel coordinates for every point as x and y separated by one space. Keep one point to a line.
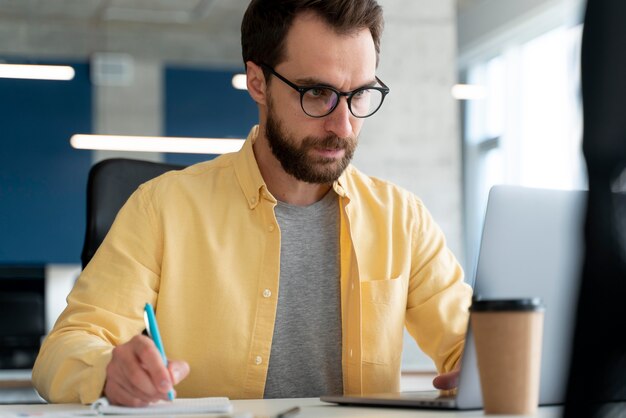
507 335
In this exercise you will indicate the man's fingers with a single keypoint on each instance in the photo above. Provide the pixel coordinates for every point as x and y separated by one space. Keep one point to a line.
124 384
132 366
152 366
125 371
117 395
178 370
446 381
136 374
118 389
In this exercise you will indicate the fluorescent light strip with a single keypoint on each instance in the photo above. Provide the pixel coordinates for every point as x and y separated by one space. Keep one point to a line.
240 82
37 72
156 144
468 92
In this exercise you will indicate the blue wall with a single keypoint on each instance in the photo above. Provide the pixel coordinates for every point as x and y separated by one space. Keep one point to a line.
203 103
42 179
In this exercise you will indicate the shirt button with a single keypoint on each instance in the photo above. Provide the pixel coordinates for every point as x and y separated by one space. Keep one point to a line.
350 352
270 228
253 200
267 293
258 360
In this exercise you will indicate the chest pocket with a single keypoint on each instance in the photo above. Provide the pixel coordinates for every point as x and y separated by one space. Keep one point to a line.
383 307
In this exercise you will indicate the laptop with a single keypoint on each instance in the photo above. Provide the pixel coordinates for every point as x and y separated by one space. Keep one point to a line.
532 246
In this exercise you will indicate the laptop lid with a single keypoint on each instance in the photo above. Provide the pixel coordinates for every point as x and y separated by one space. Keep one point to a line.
531 246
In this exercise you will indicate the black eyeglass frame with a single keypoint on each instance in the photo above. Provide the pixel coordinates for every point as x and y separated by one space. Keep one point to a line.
384 90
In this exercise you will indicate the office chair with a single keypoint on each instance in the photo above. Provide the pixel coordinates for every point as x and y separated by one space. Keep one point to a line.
109 185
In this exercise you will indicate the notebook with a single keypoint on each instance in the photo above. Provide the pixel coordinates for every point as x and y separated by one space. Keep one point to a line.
531 246
175 407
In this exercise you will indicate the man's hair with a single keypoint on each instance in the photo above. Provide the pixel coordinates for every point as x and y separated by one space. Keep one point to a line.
266 23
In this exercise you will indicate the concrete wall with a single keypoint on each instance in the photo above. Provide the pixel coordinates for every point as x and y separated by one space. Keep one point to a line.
414 139
135 108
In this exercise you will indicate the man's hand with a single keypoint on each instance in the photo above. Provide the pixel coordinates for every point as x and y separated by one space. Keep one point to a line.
447 381
137 376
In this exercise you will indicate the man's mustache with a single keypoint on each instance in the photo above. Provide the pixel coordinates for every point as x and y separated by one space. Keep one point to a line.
330 142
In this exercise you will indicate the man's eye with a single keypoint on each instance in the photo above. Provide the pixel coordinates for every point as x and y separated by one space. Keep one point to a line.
318 93
361 94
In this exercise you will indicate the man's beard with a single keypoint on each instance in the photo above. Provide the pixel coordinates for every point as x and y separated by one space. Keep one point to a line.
297 161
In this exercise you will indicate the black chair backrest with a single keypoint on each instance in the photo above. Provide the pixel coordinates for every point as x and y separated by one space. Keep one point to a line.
110 184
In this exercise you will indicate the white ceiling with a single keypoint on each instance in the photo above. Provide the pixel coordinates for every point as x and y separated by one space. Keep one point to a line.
144 11
181 12
175 30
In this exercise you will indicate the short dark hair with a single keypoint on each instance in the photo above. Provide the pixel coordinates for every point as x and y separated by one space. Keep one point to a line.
266 23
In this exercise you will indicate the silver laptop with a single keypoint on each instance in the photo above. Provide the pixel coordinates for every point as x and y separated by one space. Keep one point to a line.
532 246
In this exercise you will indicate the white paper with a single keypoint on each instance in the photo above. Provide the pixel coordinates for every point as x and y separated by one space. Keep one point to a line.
177 406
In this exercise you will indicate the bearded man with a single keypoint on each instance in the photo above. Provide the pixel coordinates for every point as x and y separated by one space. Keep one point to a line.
276 271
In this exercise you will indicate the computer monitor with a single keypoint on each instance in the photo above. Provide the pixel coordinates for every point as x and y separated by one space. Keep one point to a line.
22 314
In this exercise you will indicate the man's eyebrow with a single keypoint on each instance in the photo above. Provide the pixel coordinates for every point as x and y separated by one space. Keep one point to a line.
310 81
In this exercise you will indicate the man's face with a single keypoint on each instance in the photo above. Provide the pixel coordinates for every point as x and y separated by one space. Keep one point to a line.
317 150
310 159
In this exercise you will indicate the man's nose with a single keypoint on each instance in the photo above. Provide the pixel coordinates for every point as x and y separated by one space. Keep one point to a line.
338 122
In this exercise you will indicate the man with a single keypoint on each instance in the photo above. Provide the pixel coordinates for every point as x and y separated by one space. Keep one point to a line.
277 271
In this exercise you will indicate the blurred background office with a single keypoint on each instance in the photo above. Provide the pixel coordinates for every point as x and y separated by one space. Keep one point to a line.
482 92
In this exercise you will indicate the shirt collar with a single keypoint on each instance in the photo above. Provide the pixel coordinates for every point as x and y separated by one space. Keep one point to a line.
340 184
248 173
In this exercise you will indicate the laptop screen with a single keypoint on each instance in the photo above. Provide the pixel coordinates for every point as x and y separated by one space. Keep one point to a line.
532 246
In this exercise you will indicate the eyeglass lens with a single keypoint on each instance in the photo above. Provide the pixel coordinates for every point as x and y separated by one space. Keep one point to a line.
320 101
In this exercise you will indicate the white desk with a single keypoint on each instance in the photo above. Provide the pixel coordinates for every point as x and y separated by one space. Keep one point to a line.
309 408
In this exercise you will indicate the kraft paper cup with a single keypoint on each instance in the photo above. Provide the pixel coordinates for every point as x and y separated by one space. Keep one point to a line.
507 335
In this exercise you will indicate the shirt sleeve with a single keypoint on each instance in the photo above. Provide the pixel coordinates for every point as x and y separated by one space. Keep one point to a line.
105 307
438 298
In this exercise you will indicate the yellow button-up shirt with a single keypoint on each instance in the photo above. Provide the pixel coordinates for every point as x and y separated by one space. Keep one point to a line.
203 246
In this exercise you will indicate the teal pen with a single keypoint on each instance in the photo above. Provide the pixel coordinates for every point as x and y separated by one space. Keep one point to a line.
153 332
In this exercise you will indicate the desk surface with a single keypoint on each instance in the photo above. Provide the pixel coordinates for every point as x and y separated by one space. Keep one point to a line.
268 408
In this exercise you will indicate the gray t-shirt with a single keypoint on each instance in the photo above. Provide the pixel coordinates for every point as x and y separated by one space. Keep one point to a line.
305 360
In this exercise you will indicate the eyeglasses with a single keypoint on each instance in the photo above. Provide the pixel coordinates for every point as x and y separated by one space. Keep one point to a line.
318 101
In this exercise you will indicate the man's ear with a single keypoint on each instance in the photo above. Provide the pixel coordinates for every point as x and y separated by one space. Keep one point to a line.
255 81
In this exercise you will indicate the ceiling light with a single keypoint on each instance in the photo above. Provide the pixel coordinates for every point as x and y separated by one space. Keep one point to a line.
156 144
469 92
37 72
240 82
